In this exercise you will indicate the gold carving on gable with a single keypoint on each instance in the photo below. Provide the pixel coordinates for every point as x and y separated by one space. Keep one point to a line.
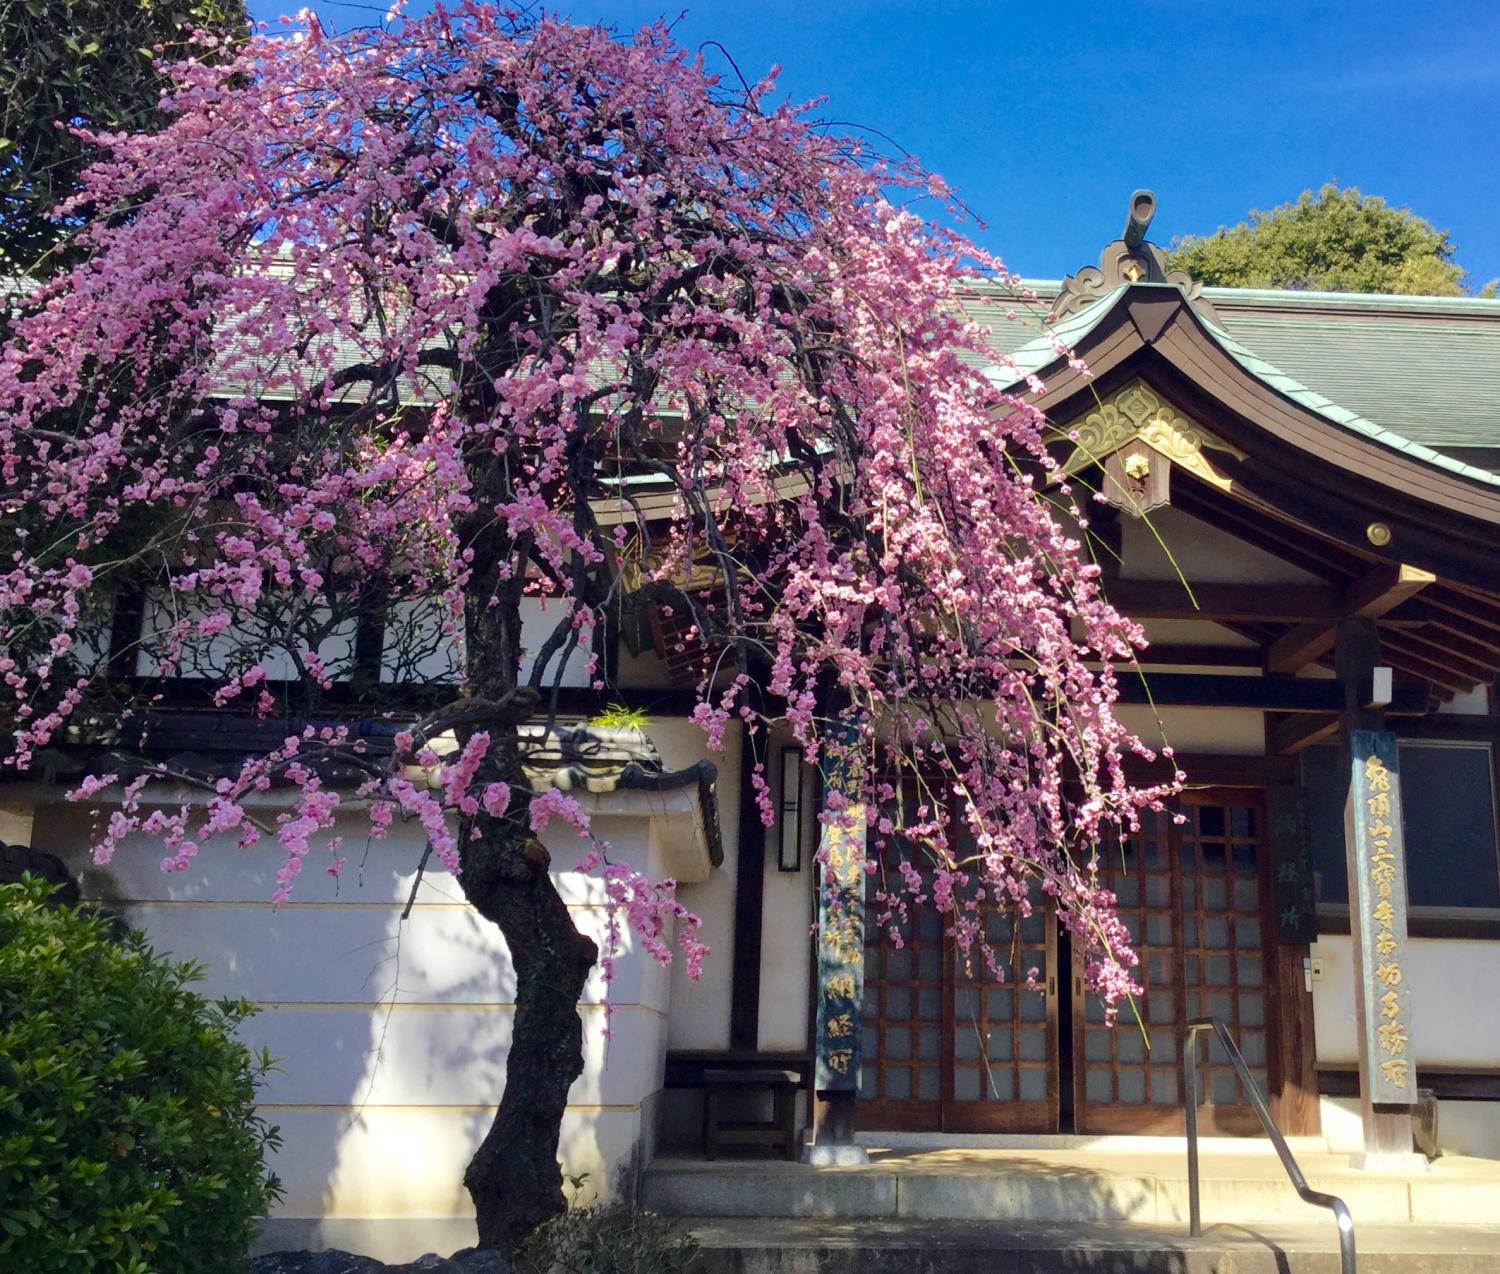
1136 414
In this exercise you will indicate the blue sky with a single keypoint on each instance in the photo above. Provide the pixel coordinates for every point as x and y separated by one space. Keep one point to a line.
1045 115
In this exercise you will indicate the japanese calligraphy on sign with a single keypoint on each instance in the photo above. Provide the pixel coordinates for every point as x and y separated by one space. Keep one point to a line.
841 935
1378 912
1291 868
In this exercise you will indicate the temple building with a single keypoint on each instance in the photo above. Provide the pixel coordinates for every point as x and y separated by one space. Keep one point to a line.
1303 510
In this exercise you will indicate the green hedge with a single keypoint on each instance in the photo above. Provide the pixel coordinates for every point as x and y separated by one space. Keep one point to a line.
128 1134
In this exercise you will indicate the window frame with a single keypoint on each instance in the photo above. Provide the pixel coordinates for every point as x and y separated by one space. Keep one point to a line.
1428 921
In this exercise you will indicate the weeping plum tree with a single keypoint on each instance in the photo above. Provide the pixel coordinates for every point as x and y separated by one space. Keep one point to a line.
488 306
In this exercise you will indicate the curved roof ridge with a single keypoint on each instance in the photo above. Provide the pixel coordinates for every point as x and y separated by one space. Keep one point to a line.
1342 416
1031 357
1035 354
1291 297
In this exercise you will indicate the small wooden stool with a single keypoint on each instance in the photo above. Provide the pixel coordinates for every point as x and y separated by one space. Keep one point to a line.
779 1132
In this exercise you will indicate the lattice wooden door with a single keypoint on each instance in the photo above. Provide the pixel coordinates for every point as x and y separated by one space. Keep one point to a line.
1191 895
947 1045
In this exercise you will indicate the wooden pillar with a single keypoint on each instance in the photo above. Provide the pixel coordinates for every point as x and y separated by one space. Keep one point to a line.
1294 926
840 959
1385 1106
749 905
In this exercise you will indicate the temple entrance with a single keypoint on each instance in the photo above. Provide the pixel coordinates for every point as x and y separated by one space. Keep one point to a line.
949 1047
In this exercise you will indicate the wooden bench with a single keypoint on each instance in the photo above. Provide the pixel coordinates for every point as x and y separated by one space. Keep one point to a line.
742 1073
779 1132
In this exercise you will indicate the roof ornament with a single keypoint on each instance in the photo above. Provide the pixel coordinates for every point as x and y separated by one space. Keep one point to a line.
1130 259
1137 439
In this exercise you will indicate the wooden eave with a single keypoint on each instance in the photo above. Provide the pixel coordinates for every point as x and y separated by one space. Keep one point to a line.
1308 489
1298 461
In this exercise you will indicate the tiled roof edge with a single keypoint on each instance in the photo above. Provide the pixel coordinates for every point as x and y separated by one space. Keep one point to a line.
1036 354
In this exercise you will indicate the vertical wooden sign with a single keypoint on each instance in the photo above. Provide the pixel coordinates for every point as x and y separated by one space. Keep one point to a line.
1377 916
841 928
1291 869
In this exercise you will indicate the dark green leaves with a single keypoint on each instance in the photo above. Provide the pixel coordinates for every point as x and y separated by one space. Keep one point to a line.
128 1134
1338 240
78 62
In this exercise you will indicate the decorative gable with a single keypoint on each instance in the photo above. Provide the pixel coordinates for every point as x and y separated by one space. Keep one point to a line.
1136 438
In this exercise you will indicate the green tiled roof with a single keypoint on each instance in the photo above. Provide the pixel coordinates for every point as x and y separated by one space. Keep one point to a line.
1025 345
1426 367
1414 373
1315 401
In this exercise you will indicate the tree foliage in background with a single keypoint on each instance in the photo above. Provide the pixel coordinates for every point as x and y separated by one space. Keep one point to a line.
1337 240
87 63
129 1141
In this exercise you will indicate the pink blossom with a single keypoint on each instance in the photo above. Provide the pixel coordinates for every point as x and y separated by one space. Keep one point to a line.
286 392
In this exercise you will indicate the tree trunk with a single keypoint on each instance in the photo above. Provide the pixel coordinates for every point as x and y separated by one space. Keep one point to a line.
514 1178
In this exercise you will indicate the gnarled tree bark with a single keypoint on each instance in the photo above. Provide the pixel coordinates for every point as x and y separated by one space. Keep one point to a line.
514 1178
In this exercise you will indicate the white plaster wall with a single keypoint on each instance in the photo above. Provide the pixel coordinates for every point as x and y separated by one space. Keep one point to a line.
786 921
1453 999
1464 1127
209 656
1238 731
392 1035
698 1017
1193 632
416 650
699 1013
1198 551
1476 701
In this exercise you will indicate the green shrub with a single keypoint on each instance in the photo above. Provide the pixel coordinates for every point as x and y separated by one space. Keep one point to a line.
128 1135
607 1239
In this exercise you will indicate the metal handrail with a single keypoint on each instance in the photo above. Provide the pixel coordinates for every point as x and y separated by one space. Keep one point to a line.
1317 1198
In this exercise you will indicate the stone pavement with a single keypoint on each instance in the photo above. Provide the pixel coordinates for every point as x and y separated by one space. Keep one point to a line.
334 1261
1108 1180
805 1246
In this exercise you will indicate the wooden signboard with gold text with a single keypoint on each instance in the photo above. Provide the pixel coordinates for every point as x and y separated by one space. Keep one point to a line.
1377 905
841 931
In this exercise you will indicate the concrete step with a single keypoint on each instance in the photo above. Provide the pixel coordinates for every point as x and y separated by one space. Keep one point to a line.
791 1246
1072 1185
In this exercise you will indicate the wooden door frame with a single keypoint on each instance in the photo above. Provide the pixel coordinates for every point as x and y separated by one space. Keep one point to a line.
1229 1121
1038 1118
945 1113
1289 1004
1289 1026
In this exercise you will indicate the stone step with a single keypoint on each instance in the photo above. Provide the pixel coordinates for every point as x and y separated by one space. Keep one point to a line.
1148 1189
790 1246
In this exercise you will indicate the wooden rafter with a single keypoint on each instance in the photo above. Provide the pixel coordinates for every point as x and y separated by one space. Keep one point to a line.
1226 603
1436 640
1450 632
1433 674
1474 607
1416 643
1295 734
1373 597
1201 656
1271 694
